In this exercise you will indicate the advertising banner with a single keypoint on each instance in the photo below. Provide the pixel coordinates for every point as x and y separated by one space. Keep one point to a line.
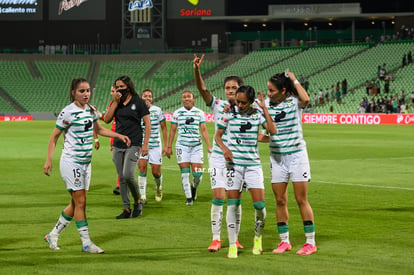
21 10
77 10
368 119
15 118
191 9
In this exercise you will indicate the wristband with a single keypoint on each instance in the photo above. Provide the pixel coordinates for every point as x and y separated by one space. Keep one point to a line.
96 140
296 82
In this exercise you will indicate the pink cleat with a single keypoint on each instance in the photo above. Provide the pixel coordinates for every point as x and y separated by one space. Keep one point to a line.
282 247
214 246
239 245
307 249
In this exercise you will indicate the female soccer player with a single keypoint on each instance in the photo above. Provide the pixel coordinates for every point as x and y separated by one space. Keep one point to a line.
128 109
217 162
237 136
77 122
155 151
289 158
189 120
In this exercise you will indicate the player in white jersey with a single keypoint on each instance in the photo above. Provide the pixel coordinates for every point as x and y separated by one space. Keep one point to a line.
237 136
77 121
289 158
155 149
217 163
189 120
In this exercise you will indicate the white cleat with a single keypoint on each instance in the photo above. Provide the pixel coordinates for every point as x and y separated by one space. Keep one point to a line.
158 196
92 248
52 241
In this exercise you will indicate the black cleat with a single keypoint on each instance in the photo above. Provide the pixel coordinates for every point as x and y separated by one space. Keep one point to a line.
124 215
193 192
116 191
137 209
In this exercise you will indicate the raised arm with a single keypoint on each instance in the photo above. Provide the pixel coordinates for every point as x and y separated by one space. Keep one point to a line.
109 116
302 94
205 94
269 125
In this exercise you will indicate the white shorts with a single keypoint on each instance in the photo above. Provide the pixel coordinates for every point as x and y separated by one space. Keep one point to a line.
217 170
290 166
252 176
218 177
189 154
154 156
76 176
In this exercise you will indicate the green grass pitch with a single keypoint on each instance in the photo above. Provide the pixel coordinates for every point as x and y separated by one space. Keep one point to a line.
361 192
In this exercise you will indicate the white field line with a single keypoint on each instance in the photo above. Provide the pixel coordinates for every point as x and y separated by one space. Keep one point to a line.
175 168
366 185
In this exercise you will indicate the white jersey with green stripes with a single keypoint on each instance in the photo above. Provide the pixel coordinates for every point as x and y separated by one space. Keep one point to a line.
217 106
77 125
288 118
156 117
188 125
241 131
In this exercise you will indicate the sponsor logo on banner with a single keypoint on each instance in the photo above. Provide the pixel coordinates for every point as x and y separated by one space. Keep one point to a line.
195 11
140 5
15 118
66 5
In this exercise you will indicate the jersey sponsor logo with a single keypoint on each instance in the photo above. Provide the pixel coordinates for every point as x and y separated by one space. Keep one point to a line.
88 125
189 120
245 127
279 116
246 142
286 130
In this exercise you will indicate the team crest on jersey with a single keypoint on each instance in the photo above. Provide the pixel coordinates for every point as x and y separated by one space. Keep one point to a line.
133 107
230 182
77 182
289 102
213 182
